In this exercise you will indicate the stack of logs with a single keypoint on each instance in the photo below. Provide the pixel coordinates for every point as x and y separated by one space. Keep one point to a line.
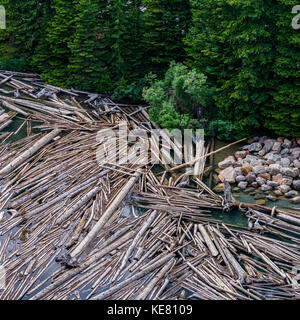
73 226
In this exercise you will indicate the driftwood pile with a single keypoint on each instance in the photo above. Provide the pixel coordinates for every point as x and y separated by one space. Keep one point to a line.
72 227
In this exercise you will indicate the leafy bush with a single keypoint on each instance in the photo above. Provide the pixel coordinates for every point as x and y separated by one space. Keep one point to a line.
179 100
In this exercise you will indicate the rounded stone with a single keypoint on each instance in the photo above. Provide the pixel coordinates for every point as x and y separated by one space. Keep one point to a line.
265 187
284 188
243 185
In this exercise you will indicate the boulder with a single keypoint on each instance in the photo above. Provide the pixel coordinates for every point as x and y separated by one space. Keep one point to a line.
259 170
276 147
271 197
260 181
269 143
274 169
265 188
246 147
295 155
272 157
246 169
290 172
296 185
285 162
256 146
260 201
284 151
254 185
262 152
291 194
272 184
238 171
228 174
284 188
295 200
250 158
228 162
287 181
277 178
240 154
250 177
243 185
265 176
278 193
296 163
240 178
286 143
262 139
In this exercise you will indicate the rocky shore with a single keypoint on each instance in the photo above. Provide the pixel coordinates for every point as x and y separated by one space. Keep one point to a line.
269 169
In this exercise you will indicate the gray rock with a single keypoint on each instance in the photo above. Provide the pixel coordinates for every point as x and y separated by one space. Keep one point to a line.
250 158
238 172
256 146
290 172
268 145
274 169
296 185
286 143
272 184
243 185
240 178
265 187
296 163
270 197
285 162
295 153
259 169
295 200
284 188
262 139
228 174
276 146
225 164
257 162
272 157
284 151
250 177
287 181
245 147
278 193
260 181
291 194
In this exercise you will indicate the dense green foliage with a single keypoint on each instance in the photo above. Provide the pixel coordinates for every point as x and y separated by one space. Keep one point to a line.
176 99
236 62
250 53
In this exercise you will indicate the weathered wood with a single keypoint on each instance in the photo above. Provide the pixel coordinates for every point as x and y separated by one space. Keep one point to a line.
28 153
105 217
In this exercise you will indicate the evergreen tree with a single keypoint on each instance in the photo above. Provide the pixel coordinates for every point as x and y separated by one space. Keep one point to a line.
233 43
126 34
166 23
282 113
53 52
127 64
91 47
26 25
